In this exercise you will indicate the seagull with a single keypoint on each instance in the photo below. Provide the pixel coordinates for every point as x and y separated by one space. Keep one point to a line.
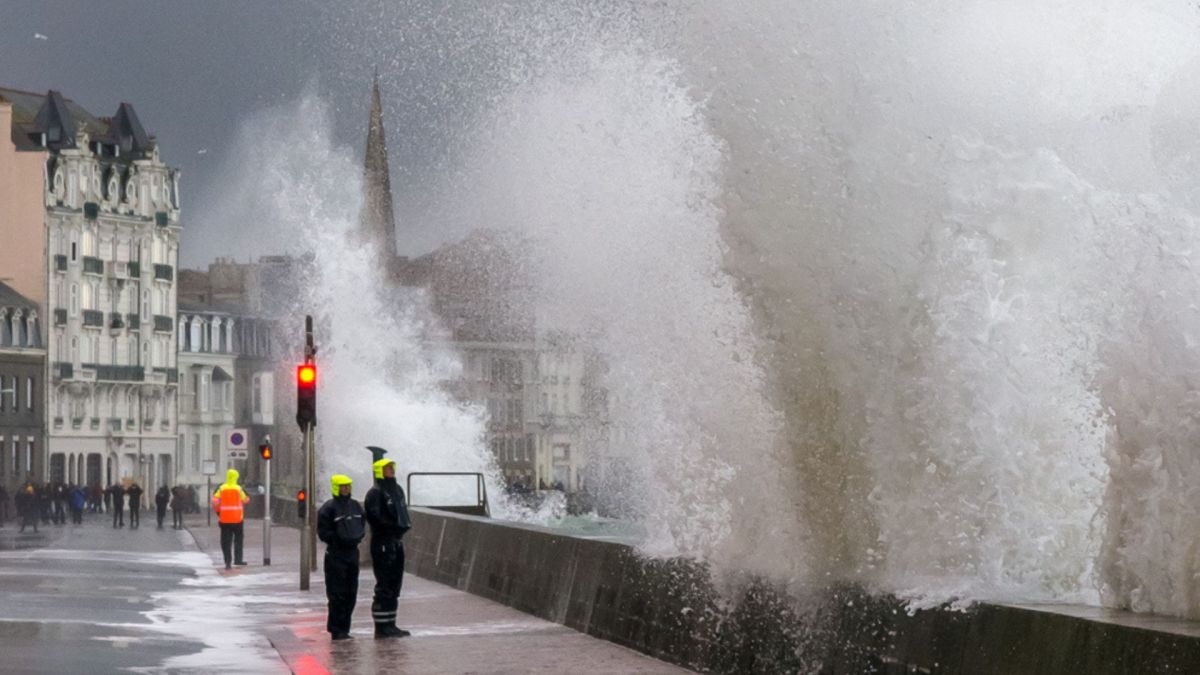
202 152
39 36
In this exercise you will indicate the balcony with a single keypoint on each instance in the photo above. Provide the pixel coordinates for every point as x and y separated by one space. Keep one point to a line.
161 218
93 318
163 324
116 320
135 321
60 317
114 424
91 210
162 272
135 269
63 370
93 265
120 373
171 373
60 263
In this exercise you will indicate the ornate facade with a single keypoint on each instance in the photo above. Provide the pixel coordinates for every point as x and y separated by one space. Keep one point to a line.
111 227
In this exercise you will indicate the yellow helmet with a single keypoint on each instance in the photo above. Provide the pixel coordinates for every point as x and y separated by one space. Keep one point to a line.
378 466
338 481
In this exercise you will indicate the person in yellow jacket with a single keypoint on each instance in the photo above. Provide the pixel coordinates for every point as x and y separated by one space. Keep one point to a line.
229 503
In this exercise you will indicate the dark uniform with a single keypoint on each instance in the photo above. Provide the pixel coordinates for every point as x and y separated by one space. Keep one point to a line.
117 494
340 525
135 505
387 512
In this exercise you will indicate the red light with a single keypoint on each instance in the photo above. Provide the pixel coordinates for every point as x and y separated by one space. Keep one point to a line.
265 451
307 374
300 496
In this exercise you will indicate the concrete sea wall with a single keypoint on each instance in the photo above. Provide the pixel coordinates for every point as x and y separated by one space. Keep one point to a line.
670 609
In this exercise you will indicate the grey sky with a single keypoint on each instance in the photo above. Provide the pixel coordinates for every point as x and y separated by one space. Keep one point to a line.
195 71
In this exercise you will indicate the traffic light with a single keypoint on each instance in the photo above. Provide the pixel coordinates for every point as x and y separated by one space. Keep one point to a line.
300 504
264 451
306 395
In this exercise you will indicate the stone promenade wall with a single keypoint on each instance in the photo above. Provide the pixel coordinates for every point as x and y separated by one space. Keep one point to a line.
670 609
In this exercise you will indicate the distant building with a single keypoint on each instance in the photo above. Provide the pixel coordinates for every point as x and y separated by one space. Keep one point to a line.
22 381
538 390
245 303
95 238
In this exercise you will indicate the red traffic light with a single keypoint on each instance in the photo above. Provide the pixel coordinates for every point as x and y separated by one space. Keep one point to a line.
306 396
301 512
264 451
306 374
300 496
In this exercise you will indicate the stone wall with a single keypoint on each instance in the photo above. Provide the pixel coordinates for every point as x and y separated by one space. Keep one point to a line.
671 609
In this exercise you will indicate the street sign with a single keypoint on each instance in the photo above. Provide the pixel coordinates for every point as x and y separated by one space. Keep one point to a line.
238 439
237 454
210 467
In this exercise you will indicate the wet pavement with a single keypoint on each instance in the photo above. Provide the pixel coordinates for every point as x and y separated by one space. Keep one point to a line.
90 598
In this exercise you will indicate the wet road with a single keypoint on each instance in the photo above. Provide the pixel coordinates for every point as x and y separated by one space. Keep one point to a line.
87 598
92 599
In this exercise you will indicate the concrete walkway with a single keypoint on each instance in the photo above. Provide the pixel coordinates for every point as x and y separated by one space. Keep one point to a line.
452 631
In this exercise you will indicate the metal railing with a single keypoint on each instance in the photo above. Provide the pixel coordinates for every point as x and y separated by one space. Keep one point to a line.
164 272
163 324
479 508
93 317
93 265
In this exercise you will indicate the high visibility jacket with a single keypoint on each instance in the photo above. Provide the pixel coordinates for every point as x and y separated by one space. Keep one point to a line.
229 504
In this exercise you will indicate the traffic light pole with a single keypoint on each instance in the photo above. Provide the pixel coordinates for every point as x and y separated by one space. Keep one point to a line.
305 542
306 417
267 510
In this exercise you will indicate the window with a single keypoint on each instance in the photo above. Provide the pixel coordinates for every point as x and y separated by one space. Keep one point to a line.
216 445
204 392
2 382
195 452
195 391
74 251
257 395
28 454
74 297
29 394
16 459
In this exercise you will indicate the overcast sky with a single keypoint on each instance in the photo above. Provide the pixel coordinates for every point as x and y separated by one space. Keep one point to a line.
196 71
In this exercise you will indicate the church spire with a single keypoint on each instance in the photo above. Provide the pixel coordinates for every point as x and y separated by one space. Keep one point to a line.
378 221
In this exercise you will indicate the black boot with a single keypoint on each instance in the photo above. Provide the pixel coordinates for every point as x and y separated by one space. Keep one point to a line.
387 630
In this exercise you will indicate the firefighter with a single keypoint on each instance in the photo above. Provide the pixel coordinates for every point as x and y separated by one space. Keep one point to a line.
340 525
228 502
387 512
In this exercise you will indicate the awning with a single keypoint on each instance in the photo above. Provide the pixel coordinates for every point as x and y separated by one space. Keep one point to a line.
219 375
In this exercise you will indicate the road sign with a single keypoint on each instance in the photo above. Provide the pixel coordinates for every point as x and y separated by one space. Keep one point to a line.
238 439
237 454
210 467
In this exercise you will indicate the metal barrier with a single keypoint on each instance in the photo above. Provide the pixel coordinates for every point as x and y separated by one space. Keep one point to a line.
480 508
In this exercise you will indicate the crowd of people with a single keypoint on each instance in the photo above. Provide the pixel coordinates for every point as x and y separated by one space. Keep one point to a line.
51 503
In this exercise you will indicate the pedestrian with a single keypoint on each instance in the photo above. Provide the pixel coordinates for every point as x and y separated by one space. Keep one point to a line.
228 501
27 507
58 494
134 492
107 499
77 501
340 526
116 496
387 512
160 501
193 502
45 494
178 500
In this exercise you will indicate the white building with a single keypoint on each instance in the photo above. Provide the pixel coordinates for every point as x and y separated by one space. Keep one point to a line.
207 403
112 222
